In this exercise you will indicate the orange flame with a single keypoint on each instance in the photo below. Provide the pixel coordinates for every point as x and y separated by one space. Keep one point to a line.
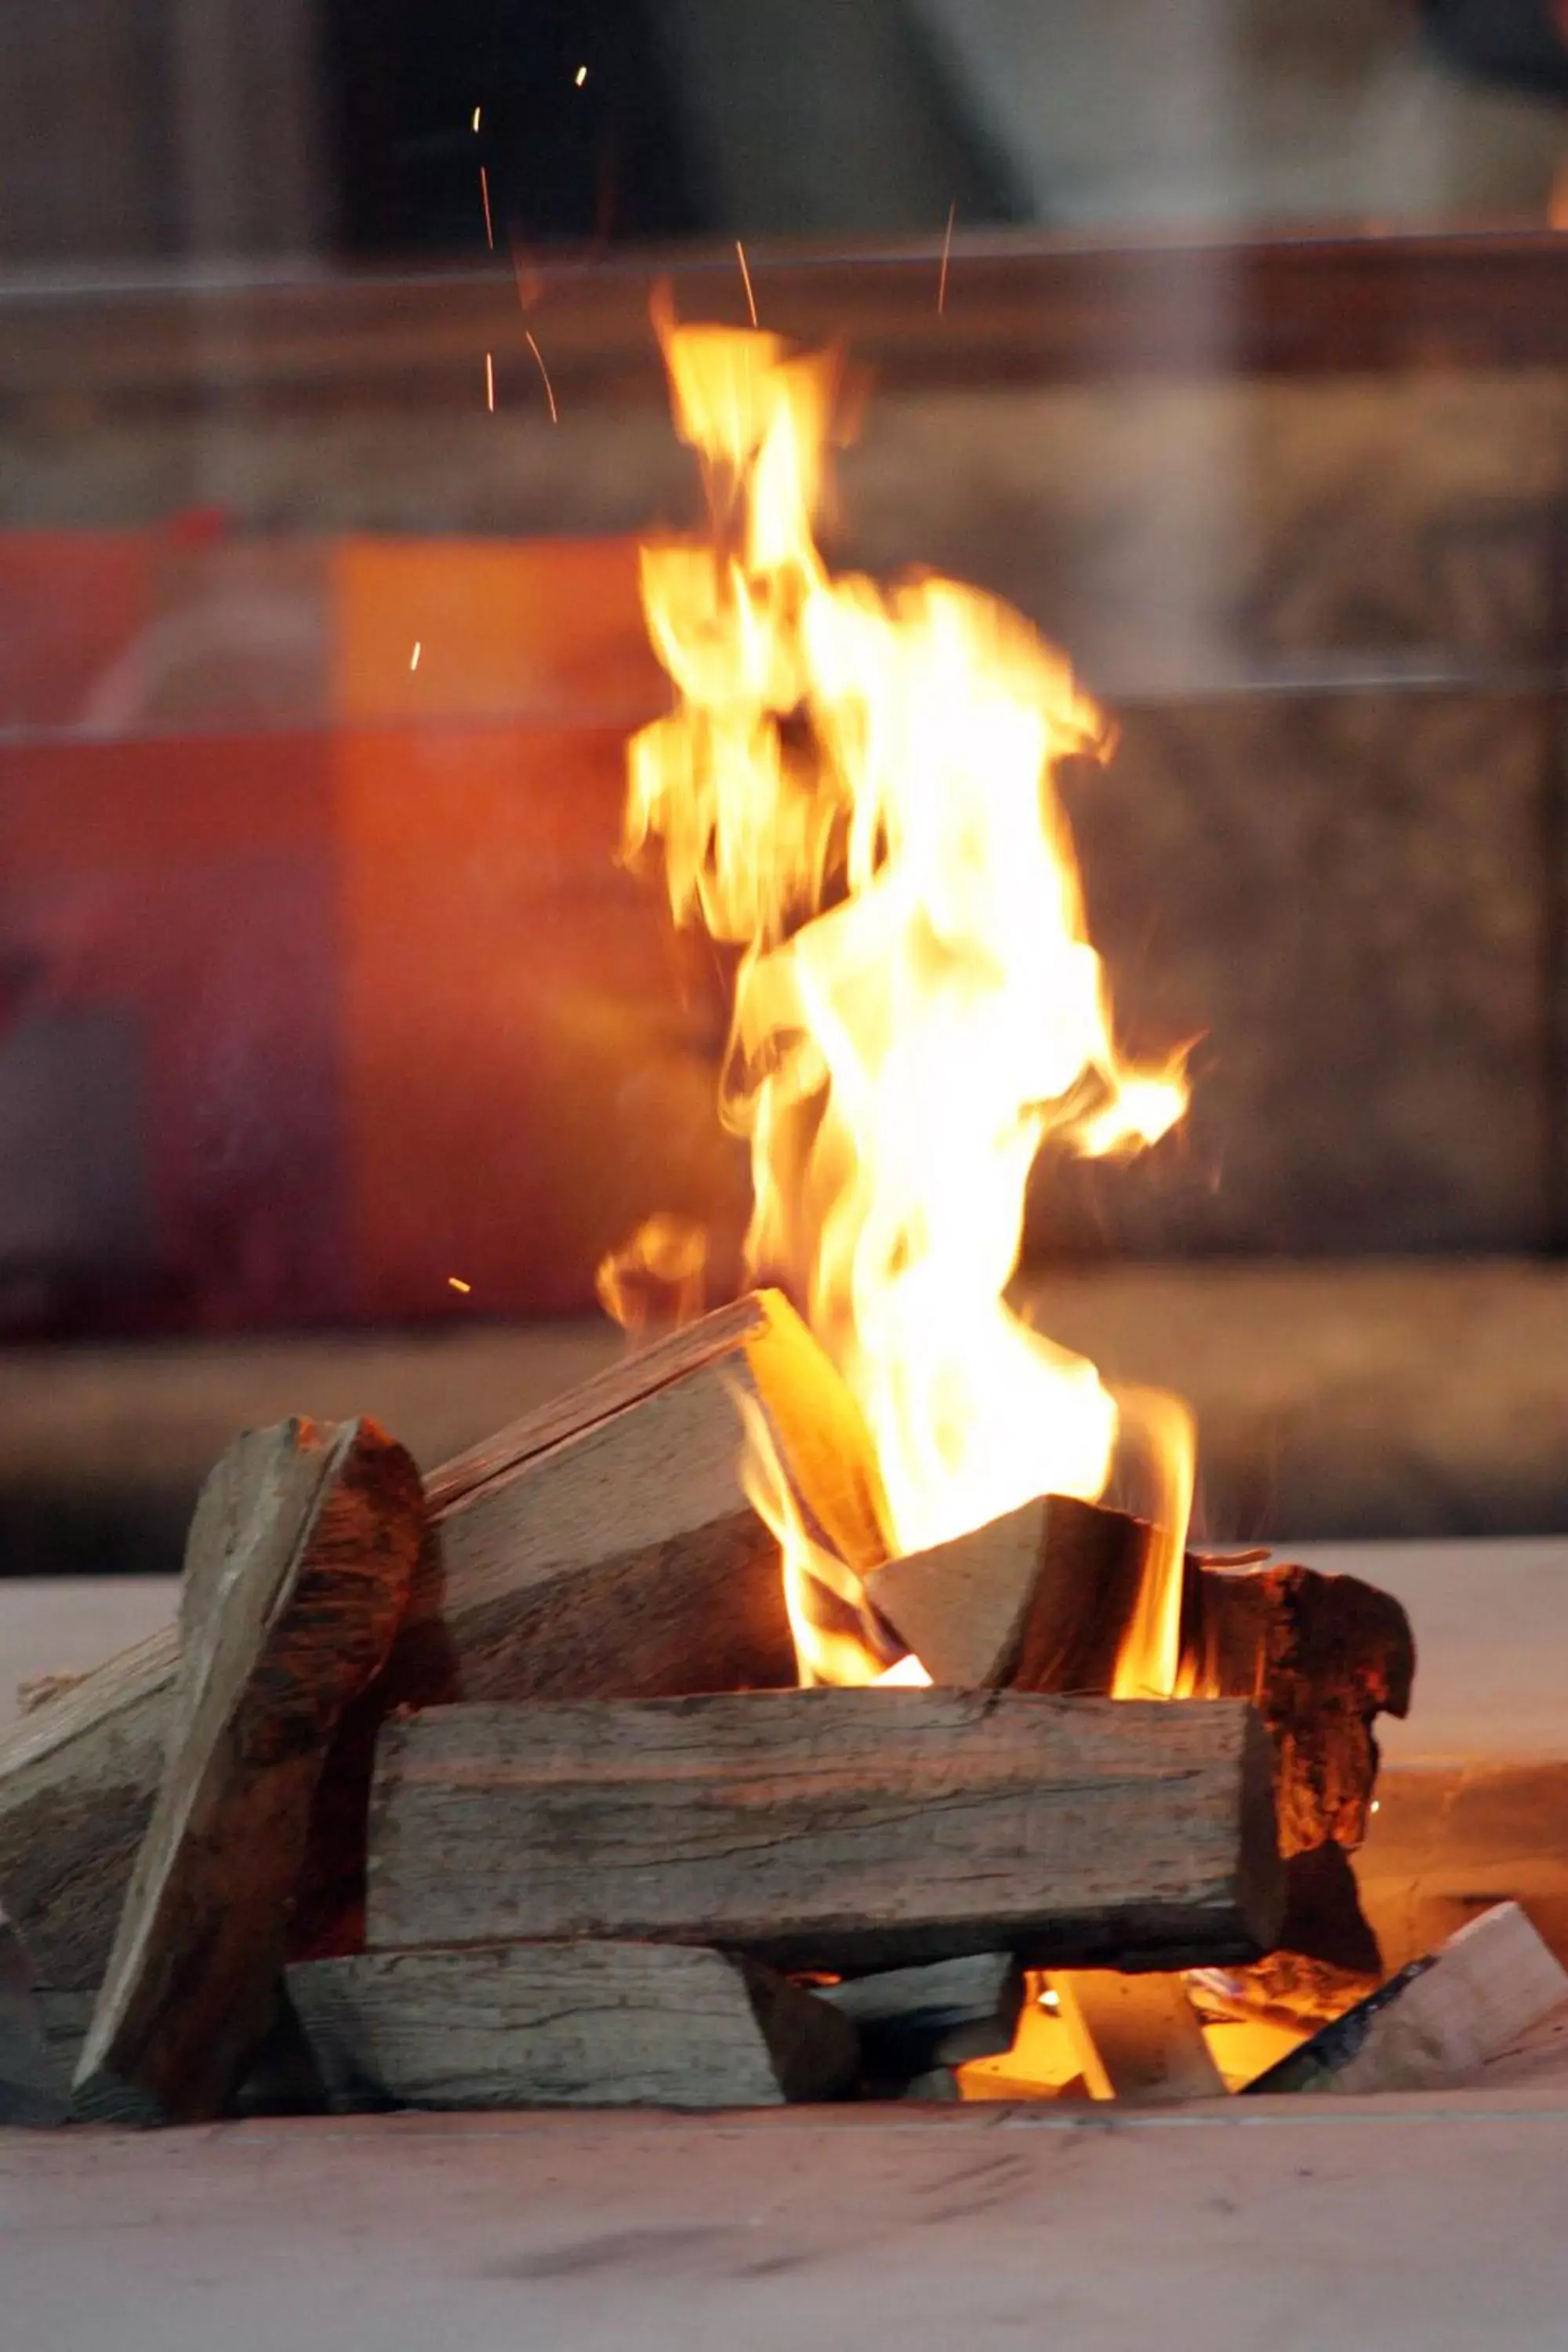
855 788
656 1281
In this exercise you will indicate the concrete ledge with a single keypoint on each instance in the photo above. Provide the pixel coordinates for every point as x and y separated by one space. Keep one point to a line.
1418 2224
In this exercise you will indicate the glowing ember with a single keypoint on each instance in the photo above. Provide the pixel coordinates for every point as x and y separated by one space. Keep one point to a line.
544 372
746 280
855 789
946 256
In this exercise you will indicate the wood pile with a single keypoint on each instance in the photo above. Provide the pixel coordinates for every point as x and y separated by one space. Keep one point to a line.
499 1790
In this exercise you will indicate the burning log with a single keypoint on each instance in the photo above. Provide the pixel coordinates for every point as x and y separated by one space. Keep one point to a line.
1440 2019
568 2024
834 1829
606 1549
1136 2038
301 1560
1046 1598
603 1546
1038 1599
915 2023
1320 1656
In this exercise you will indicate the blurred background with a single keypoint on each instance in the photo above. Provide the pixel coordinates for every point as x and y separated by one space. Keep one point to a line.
1228 339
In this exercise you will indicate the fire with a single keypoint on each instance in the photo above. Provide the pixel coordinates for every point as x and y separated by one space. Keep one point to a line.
657 1278
855 791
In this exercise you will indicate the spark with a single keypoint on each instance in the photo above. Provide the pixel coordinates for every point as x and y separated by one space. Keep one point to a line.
1376 1804
475 118
1049 2001
491 382
456 1282
582 76
485 192
946 250
414 657
746 280
544 372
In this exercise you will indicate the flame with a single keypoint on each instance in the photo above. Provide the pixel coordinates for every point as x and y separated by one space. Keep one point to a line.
1149 1664
657 1280
856 790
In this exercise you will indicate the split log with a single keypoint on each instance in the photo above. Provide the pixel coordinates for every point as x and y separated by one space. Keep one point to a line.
1320 1656
620 1557
77 1783
602 1547
1044 1598
834 1829
302 1557
1136 2037
1440 2019
1040 1599
918 2022
567 2024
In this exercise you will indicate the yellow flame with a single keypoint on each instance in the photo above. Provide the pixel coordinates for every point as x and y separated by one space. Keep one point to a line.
856 789
1149 1664
656 1279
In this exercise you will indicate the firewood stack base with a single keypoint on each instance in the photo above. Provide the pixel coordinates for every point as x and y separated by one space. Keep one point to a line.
507 1781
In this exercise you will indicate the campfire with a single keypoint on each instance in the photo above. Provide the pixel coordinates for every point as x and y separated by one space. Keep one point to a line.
828 1699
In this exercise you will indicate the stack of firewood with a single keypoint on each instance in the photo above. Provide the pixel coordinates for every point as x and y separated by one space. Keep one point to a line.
498 1791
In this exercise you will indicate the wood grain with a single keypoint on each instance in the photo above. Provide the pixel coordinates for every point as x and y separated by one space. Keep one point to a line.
567 2024
77 1779
301 1560
608 1549
834 1829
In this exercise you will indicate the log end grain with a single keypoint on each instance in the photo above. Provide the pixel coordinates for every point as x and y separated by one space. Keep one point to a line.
961 1607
